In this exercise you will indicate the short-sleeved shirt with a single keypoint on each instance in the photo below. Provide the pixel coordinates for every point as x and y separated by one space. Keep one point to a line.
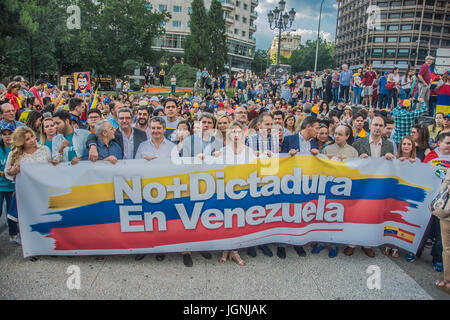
425 73
369 76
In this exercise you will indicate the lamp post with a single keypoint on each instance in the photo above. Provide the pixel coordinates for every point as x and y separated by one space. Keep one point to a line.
282 21
318 35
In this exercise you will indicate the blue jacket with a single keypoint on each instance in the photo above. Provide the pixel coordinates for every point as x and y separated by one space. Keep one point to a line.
6 185
293 142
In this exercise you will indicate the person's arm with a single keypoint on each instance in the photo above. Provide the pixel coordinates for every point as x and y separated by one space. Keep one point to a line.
10 172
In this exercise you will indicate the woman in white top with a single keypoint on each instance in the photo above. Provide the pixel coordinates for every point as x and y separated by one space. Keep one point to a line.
406 85
235 152
24 150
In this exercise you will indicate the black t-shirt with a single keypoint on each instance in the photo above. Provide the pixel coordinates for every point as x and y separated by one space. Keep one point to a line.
307 83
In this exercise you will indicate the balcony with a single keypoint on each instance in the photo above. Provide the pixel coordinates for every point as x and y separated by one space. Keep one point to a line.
253 14
255 3
227 5
252 28
229 21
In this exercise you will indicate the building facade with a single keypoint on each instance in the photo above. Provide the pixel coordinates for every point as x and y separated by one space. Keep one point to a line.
289 42
240 17
388 33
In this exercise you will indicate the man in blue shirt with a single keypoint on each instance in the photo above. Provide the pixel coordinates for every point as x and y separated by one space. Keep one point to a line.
345 81
383 93
108 150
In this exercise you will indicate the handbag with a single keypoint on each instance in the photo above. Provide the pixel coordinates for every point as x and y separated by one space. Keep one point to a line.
390 86
440 206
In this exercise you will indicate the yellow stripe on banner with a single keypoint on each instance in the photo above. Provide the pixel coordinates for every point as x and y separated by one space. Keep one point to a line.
91 194
405 236
442 108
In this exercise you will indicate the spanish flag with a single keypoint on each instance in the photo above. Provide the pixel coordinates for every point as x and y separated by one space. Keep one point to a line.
94 101
399 234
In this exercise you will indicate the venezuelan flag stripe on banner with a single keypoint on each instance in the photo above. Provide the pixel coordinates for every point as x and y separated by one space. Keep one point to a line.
443 104
175 205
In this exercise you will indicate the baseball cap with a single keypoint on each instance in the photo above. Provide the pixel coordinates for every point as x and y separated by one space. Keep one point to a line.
143 103
447 115
429 58
154 98
6 126
50 86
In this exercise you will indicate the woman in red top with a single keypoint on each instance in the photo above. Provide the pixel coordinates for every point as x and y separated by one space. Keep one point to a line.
13 95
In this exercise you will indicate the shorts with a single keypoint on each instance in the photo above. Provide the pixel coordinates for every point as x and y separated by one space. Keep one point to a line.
368 91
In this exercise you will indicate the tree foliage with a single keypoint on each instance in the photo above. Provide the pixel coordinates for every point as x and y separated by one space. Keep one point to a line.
112 33
303 58
260 62
197 47
218 38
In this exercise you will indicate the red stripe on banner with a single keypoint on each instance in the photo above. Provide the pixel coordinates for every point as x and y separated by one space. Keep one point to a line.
396 236
109 236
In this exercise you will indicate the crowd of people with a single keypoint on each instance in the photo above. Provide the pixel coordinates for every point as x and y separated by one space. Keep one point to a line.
264 117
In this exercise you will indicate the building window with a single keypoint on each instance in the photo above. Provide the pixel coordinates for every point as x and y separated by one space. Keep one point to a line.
245 6
438 16
410 2
427 15
176 9
236 31
393 28
390 62
382 4
396 4
407 27
405 39
176 24
243 33
408 14
435 41
162 7
189 24
377 52
149 6
403 52
236 17
394 15
380 28
392 39
437 29
190 10
238 4
390 52
244 19
426 27
378 39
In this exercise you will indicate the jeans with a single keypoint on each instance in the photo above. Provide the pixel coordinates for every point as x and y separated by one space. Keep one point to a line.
173 89
393 95
382 101
12 225
433 230
357 95
344 93
335 92
432 106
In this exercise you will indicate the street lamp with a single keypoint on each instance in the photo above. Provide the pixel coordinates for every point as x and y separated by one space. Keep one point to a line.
282 21
318 35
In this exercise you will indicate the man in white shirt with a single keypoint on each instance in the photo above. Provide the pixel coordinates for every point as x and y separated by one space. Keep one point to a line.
157 147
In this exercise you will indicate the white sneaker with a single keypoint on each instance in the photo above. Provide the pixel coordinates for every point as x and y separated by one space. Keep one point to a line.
15 239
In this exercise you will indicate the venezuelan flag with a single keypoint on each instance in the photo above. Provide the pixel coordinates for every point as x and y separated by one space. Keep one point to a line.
399 234
443 103
94 101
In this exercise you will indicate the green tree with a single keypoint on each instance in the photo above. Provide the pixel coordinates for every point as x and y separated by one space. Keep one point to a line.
197 47
260 62
304 58
218 38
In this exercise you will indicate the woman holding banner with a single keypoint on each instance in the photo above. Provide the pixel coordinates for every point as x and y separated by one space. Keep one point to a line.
24 150
235 152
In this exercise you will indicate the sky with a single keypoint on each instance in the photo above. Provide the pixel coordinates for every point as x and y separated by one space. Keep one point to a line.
305 22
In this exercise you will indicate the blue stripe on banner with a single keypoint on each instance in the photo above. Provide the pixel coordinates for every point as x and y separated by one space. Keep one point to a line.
100 213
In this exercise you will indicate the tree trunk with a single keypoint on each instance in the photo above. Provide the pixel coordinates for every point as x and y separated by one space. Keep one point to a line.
32 71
